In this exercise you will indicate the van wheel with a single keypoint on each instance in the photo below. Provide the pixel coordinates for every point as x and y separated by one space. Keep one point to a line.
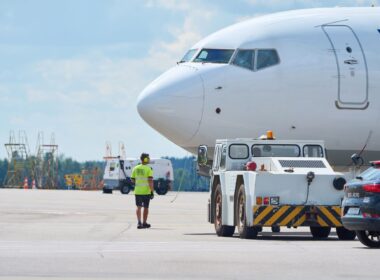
345 234
161 187
245 231
221 230
369 238
107 190
125 189
320 232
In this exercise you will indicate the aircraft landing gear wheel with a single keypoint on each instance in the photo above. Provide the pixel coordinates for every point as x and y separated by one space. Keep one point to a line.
320 232
221 230
276 229
245 231
345 234
369 238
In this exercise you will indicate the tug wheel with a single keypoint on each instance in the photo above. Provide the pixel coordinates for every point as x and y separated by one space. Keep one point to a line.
345 234
220 229
244 230
320 232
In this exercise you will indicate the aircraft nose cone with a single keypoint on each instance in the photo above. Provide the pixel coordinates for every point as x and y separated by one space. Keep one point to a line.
173 104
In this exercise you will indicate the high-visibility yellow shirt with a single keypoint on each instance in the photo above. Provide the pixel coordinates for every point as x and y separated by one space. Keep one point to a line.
141 173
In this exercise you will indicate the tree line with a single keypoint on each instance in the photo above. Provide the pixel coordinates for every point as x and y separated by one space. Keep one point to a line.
185 175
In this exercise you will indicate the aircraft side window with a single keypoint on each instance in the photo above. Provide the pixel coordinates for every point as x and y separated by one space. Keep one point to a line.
266 58
245 59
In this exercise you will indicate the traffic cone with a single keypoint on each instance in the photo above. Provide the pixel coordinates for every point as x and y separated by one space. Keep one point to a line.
34 184
26 183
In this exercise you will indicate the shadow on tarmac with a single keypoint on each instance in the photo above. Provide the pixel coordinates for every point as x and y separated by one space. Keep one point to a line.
281 236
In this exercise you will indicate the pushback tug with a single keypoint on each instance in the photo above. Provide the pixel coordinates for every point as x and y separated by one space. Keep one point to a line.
265 182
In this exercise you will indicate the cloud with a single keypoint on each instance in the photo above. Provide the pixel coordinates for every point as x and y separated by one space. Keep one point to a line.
175 5
294 4
194 26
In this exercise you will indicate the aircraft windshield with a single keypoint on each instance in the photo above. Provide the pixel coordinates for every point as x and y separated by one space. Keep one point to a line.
214 56
188 56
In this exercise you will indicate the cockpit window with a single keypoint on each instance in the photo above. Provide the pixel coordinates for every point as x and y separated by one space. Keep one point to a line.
188 56
214 56
245 59
266 58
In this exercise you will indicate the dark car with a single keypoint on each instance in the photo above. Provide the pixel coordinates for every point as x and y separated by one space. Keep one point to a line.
361 206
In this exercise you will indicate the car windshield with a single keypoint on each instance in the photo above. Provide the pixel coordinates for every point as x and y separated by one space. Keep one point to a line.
188 56
214 56
370 174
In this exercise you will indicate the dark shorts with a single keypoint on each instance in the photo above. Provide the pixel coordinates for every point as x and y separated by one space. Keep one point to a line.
142 200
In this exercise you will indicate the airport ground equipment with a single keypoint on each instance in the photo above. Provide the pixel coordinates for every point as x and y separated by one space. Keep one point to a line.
87 179
117 174
41 167
46 163
258 183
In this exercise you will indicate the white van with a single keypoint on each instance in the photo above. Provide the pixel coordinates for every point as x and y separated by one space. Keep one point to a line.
117 174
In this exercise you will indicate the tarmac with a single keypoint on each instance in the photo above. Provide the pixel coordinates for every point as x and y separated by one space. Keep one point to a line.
52 234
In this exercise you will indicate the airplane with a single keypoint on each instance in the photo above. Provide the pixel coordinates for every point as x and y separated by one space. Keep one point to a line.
305 74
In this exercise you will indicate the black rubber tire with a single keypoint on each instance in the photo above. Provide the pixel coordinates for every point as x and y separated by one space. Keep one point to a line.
320 232
245 232
276 229
221 230
161 187
365 237
345 234
125 189
107 191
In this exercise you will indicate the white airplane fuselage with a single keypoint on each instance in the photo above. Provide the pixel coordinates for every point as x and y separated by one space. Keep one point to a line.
326 84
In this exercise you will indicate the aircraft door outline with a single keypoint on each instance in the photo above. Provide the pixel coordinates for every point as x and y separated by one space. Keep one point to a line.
351 67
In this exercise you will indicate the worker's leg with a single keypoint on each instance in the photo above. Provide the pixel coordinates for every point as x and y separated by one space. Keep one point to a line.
146 211
138 214
145 215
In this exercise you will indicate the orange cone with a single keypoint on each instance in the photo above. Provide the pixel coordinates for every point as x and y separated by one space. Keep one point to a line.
34 184
26 183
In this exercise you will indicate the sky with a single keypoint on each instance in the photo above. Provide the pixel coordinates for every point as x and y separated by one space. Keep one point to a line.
75 68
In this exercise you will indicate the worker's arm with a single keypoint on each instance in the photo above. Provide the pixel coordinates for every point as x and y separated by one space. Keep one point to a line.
150 180
133 176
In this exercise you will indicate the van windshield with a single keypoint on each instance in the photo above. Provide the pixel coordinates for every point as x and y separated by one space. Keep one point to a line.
214 56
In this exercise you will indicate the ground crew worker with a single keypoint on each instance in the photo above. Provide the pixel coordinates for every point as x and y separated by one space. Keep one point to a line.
142 177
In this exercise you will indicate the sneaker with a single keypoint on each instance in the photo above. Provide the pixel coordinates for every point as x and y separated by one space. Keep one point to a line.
146 225
140 226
